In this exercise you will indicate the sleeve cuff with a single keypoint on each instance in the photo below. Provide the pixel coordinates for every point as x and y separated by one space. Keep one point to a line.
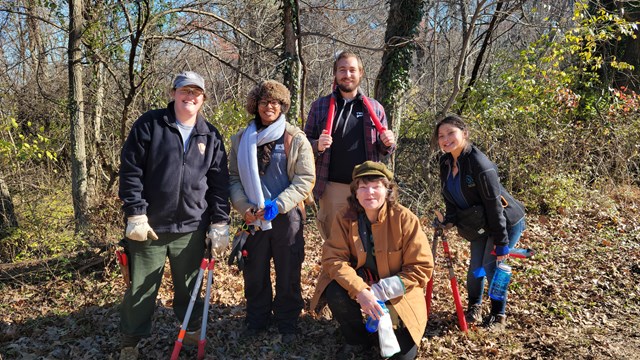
502 250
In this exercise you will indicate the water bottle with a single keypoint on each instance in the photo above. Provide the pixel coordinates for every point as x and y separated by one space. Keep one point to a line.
500 282
372 324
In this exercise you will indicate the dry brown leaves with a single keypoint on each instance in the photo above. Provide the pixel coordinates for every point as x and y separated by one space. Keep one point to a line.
579 297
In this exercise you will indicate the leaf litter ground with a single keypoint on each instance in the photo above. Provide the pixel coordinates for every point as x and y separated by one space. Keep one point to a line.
578 297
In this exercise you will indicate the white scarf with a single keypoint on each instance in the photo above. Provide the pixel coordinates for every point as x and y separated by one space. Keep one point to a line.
248 161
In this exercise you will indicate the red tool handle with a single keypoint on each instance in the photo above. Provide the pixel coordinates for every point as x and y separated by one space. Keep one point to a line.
332 107
122 258
372 114
123 261
429 294
462 321
434 248
178 345
201 345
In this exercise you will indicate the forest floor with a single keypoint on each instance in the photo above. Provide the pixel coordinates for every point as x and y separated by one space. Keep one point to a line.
577 298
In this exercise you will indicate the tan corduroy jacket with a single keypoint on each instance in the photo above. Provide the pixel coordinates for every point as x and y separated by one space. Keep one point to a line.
401 248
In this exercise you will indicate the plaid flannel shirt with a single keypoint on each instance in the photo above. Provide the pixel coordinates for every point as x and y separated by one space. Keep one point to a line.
316 122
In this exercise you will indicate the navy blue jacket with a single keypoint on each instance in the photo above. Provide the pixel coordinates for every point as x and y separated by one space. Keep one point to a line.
178 191
481 186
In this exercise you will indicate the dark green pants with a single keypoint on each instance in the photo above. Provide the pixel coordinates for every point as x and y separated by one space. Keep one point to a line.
147 259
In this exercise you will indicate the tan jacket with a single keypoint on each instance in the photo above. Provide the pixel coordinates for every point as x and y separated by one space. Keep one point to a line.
401 248
300 170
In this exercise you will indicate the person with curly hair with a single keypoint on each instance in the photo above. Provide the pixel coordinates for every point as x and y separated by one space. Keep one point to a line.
271 172
377 251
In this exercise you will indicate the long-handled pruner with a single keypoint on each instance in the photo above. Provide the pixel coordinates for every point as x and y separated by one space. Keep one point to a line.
207 262
439 233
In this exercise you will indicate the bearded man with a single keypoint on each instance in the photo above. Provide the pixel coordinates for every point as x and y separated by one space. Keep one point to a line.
352 138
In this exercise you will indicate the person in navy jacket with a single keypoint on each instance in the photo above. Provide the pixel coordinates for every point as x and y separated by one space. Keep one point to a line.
470 181
174 185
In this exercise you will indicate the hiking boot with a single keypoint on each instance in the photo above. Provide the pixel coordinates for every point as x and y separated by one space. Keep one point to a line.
191 338
473 314
495 322
129 353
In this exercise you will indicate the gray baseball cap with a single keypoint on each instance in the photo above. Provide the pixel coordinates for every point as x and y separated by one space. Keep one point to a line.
186 78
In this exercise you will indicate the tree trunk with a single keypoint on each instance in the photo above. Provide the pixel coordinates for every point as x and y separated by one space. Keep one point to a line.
95 170
393 78
76 115
293 66
8 218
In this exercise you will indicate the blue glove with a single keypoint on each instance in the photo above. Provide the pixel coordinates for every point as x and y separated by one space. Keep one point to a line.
502 250
270 210
479 272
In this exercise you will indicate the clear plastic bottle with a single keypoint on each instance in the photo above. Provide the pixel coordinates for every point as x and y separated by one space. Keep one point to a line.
500 282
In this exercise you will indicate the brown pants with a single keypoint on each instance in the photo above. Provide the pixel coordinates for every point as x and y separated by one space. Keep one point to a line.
332 200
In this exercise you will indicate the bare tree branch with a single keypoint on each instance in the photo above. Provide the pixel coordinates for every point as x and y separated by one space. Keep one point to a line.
207 51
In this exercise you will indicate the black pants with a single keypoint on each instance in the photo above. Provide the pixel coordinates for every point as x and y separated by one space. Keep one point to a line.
347 312
285 244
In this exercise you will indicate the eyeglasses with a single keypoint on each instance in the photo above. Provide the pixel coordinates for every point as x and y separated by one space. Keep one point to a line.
190 91
273 103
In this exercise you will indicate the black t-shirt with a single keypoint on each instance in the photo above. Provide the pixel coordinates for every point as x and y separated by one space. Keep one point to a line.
347 148
364 230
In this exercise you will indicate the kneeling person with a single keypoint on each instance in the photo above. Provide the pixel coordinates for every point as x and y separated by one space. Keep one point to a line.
376 251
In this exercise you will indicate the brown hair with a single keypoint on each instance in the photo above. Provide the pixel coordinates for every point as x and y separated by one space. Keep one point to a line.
392 191
346 55
453 120
267 90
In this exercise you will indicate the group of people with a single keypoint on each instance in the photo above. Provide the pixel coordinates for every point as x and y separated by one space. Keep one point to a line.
176 182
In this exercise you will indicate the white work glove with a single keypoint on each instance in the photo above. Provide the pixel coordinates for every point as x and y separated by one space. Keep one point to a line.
388 288
218 234
138 228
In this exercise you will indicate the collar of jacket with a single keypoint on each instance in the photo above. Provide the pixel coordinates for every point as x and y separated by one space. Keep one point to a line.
467 150
170 118
447 158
